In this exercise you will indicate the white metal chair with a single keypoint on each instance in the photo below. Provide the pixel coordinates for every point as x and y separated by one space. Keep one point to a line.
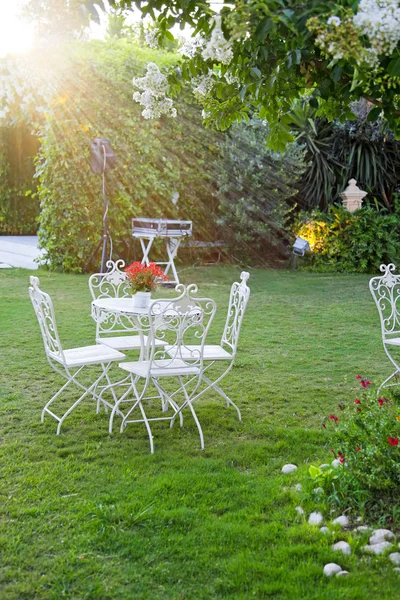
226 350
69 363
178 322
385 290
114 284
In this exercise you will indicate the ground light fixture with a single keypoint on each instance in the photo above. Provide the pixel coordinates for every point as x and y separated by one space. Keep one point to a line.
300 246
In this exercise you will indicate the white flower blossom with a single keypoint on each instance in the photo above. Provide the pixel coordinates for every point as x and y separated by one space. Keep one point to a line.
333 20
152 37
379 21
229 78
153 96
218 48
204 84
192 46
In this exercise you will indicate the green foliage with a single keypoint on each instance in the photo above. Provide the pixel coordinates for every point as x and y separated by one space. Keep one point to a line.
278 59
345 242
254 184
19 208
337 152
365 440
155 160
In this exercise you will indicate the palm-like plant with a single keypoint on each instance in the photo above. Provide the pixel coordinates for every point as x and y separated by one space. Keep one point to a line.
336 152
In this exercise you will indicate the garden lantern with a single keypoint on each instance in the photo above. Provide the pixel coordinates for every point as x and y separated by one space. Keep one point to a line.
352 196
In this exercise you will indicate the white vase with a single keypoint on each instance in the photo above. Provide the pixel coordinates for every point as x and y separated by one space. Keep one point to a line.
141 299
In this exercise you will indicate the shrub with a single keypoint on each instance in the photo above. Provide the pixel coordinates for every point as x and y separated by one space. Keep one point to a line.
336 152
364 439
345 242
155 160
19 208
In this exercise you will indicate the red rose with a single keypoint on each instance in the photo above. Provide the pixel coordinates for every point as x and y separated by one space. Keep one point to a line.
333 418
393 441
357 401
358 449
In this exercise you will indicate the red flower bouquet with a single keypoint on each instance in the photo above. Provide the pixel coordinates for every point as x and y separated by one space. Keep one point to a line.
143 278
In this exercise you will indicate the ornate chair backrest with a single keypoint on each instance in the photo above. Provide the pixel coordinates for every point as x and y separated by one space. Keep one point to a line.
112 284
45 315
385 290
181 322
239 297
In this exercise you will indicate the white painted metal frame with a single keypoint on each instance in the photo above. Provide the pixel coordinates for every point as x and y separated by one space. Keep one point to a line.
114 284
385 290
178 322
173 232
226 351
69 363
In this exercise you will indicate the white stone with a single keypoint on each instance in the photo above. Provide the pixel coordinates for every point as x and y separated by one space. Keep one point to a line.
336 463
300 510
378 548
342 547
315 518
324 466
342 573
298 487
362 528
324 530
289 468
380 535
395 558
343 521
331 569
319 490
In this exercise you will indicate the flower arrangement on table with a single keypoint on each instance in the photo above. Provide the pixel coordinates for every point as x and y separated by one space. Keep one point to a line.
143 278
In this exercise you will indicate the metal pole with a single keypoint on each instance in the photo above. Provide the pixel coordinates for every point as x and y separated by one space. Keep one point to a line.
105 217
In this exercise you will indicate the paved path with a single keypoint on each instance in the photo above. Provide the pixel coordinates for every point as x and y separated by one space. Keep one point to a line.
19 251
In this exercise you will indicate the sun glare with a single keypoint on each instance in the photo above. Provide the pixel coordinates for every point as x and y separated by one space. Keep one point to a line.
16 36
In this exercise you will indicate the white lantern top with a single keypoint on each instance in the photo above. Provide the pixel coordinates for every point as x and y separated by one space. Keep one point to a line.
352 196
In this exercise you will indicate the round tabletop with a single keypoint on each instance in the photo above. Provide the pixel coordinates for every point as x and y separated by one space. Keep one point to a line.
119 305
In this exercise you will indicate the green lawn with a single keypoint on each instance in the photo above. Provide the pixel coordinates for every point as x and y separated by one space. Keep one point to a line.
88 515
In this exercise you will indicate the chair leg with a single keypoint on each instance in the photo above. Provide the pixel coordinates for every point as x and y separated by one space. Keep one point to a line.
146 422
138 400
46 408
111 388
69 411
221 392
384 383
116 408
168 400
188 402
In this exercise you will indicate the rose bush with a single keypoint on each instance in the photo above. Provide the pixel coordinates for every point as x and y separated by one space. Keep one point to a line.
364 439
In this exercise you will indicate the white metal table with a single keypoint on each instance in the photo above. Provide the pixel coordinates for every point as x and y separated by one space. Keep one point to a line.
122 312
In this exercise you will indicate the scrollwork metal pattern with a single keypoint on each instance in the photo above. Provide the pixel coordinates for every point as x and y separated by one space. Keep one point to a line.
385 290
45 315
112 284
240 293
181 323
